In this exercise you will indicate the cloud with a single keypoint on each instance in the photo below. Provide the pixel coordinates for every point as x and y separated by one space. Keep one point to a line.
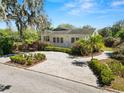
75 7
86 7
118 3
56 1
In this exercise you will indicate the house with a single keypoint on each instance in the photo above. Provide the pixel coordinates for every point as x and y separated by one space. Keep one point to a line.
65 37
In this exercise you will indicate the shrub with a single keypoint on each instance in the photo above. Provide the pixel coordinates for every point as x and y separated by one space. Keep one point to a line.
117 68
42 46
84 47
29 62
39 56
109 42
58 49
119 55
103 72
18 59
106 76
79 48
30 36
35 46
27 59
6 44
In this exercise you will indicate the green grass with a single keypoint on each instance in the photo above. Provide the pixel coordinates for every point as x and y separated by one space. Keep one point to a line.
118 84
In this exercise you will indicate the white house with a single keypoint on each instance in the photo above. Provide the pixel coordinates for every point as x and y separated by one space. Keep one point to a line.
65 38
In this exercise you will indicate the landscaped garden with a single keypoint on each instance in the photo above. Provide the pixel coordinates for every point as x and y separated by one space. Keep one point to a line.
26 60
110 72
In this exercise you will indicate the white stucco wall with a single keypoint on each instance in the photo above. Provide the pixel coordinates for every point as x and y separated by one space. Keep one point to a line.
66 38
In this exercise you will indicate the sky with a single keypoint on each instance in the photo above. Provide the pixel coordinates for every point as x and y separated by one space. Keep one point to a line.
97 13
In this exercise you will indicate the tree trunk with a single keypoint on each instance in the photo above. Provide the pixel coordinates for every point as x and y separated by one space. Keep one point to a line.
92 54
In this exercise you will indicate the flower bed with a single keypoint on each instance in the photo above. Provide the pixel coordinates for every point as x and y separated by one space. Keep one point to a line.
27 59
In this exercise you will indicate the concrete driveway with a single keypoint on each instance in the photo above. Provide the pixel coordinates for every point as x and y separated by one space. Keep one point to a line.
66 66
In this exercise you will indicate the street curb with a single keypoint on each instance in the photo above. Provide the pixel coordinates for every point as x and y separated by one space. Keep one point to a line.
108 89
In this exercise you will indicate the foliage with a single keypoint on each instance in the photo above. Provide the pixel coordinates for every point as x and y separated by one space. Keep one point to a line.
120 34
27 13
116 31
111 42
114 34
35 46
58 49
64 26
86 47
95 43
18 59
105 32
88 28
39 56
80 48
117 68
28 59
118 54
6 42
117 27
30 36
103 72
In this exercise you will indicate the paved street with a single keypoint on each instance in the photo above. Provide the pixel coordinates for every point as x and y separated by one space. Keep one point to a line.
24 81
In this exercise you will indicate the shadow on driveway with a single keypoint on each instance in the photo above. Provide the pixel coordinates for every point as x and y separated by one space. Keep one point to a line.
3 87
79 63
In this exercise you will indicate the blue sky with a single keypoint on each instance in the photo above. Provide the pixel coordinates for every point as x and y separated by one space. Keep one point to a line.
97 13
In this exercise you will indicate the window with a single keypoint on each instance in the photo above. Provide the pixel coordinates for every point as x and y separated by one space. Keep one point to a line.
46 38
61 40
77 39
54 40
72 40
57 39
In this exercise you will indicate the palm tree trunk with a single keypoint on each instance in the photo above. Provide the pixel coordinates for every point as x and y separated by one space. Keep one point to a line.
91 53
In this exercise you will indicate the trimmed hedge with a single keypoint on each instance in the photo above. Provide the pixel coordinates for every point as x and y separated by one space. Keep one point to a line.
27 59
58 49
103 72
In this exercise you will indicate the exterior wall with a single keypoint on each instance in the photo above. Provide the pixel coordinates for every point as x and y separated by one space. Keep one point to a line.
66 39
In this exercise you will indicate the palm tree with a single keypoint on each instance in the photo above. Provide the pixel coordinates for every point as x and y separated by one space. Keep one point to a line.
95 42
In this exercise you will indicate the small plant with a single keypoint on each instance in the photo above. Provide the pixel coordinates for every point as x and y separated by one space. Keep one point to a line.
39 56
27 59
29 62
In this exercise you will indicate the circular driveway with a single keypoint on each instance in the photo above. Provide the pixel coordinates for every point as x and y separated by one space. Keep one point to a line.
66 66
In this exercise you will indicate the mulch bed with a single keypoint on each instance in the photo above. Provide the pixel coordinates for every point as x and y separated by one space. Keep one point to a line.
22 66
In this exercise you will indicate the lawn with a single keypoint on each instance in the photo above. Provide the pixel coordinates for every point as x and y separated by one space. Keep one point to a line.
118 84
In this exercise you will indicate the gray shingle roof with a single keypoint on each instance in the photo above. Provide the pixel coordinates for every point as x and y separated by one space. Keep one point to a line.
74 31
